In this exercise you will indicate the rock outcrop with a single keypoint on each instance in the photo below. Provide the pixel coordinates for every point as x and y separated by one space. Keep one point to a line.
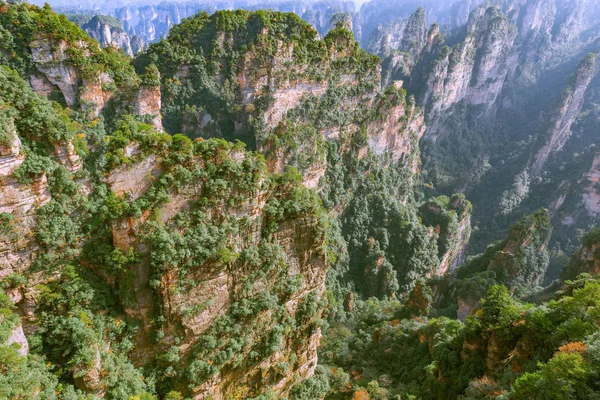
518 262
451 220
591 194
66 64
51 60
523 257
586 260
398 133
17 336
147 103
10 147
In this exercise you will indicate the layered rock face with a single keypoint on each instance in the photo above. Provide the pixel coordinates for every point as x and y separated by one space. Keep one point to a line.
190 312
51 60
17 244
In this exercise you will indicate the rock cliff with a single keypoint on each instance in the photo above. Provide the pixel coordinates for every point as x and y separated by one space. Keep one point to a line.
63 62
493 93
405 35
564 113
225 282
554 135
260 263
17 244
252 286
471 73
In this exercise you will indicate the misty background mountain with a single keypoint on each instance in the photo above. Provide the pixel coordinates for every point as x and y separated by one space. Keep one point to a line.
151 20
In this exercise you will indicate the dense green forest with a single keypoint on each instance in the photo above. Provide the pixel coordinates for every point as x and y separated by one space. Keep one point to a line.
248 210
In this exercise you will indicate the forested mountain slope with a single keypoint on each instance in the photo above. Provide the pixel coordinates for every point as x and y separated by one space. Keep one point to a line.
125 241
243 210
487 74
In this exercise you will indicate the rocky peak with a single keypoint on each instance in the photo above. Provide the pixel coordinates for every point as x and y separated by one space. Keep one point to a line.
341 20
415 32
473 70
108 31
405 35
